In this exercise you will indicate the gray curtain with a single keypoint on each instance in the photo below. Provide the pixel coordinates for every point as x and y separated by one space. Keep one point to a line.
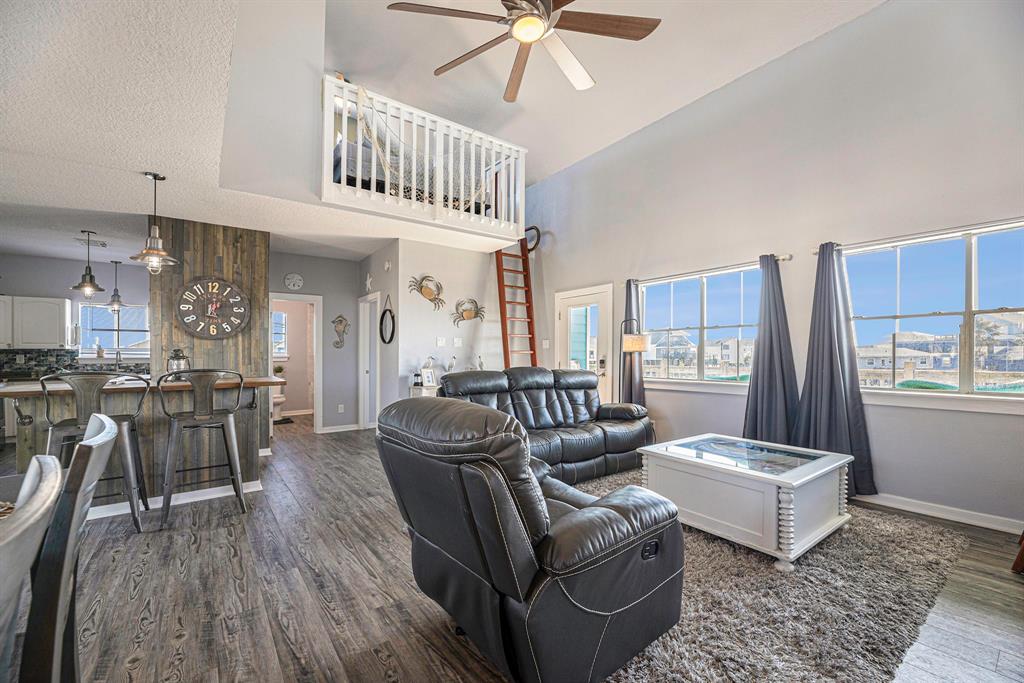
831 414
631 376
772 398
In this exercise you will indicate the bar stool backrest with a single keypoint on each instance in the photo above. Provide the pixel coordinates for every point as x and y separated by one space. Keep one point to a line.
204 385
53 588
20 537
87 386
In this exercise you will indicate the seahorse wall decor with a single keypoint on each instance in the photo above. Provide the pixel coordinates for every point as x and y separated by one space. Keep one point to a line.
341 326
429 288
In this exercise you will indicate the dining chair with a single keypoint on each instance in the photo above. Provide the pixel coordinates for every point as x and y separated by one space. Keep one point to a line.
35 495
50 652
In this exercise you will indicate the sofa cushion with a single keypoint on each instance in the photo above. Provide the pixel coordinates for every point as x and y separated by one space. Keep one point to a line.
485 388
545 445
621 436
534 400
581 442
577 390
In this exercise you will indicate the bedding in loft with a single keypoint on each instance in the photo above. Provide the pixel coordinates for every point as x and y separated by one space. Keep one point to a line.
425 178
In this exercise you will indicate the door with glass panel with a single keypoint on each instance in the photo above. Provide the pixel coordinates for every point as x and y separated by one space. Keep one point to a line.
583 334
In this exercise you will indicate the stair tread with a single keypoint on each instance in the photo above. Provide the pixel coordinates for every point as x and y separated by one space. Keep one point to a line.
521 351
520 335
515 287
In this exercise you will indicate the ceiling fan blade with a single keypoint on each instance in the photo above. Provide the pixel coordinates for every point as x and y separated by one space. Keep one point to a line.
472 53
558 4
610 25
515 79
567 62
443 11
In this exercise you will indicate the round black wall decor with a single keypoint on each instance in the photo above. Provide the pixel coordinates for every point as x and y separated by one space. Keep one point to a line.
387 322
212 308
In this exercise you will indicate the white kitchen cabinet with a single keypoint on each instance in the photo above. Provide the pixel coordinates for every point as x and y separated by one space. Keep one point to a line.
40 323
6 323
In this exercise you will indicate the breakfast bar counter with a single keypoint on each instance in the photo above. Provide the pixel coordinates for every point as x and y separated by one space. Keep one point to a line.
122 397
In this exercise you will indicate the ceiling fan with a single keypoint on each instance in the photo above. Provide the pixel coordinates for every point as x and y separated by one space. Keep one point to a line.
532 21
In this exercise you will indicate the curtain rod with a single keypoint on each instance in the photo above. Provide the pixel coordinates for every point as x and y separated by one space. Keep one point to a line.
710 271
991 226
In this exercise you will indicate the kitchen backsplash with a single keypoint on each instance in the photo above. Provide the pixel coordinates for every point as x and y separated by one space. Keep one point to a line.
38 362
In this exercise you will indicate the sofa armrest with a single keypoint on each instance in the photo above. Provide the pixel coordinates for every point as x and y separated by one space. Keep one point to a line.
621 411
604 529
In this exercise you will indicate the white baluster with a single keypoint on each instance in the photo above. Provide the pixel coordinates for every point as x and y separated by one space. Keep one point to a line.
344 139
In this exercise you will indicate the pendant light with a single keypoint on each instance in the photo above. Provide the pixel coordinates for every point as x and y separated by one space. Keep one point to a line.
115 302
154 255
87 287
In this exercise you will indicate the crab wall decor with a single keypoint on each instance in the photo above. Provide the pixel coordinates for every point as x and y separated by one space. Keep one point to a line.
467 309
429 288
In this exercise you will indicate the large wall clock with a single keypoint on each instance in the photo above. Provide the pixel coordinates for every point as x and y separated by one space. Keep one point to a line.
212 308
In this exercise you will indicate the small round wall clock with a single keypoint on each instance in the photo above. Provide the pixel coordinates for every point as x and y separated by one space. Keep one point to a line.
212 308
293 281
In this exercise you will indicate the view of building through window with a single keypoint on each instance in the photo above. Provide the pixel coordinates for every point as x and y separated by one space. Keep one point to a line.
702 327
583 322
279 333
125 330
918 308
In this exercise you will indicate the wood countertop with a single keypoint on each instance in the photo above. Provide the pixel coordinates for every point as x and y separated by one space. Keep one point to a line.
28 390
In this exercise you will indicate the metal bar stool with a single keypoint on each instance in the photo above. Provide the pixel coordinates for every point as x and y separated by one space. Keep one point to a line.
87 387
203 415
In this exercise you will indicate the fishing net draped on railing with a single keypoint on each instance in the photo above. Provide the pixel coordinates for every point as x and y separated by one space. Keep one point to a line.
386 148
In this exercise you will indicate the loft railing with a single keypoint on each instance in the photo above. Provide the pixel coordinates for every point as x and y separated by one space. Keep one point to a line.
389 158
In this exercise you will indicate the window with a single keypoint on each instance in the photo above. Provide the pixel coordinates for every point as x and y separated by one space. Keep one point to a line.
126 330
702 327
919 308
279 333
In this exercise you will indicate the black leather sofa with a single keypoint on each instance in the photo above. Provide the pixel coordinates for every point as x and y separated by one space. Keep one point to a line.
567 425
551 584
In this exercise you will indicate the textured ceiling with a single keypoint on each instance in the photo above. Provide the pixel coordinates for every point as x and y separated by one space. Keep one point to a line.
700 46
40 230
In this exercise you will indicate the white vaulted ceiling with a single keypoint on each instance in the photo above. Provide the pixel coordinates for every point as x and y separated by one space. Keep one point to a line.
94 93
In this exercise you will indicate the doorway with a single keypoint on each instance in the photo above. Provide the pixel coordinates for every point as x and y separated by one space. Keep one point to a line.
369 360
583 333
296 330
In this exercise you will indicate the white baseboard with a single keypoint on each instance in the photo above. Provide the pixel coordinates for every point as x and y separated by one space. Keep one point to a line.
338 428
1007 524
293 413
264 452
101 511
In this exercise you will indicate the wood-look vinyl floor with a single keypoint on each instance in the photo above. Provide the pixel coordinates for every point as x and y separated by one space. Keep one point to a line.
314 584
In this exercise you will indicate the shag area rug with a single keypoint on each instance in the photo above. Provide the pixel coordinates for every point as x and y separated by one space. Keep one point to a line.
849 612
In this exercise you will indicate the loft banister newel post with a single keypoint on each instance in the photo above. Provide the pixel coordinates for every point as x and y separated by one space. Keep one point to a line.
438 170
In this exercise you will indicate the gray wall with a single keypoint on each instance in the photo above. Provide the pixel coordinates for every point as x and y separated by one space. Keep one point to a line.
907 119
298 369
338 283
52 277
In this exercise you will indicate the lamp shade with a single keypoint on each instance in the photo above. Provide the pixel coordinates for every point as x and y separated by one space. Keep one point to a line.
636 343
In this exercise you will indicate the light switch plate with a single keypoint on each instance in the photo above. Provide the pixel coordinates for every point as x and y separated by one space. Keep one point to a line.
341 408
545 344
457 341
442 341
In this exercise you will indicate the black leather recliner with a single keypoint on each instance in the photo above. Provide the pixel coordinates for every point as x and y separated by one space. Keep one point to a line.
552 584
567 425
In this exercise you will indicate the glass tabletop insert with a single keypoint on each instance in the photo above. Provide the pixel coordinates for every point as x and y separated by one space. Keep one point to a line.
734 452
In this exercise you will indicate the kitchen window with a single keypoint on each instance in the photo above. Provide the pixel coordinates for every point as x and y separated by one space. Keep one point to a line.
279 333
702 326
126 330
920 308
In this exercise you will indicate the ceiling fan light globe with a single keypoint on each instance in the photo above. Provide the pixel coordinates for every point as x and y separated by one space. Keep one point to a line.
529 28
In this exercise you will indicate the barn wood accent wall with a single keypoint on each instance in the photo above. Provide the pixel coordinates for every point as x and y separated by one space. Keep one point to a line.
240 256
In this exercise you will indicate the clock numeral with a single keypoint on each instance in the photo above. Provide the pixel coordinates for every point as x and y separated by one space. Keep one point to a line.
227 291
214 287
199 288
213 330
189 318
238 309
201 326
235 299
189 295
185 307
236 320
227 328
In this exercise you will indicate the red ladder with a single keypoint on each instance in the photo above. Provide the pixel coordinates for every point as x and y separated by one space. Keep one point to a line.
517 296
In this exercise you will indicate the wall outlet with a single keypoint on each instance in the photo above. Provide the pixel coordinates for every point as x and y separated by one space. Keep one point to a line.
545 344
457 341
341 408
442 341
19 359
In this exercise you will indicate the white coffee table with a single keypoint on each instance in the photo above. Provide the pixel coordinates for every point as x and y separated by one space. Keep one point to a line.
780 500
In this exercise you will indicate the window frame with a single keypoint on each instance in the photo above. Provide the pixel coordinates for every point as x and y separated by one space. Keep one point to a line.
703 327
88 352
282 355
966 347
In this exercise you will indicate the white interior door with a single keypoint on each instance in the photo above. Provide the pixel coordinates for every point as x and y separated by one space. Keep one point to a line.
369 360
584 335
